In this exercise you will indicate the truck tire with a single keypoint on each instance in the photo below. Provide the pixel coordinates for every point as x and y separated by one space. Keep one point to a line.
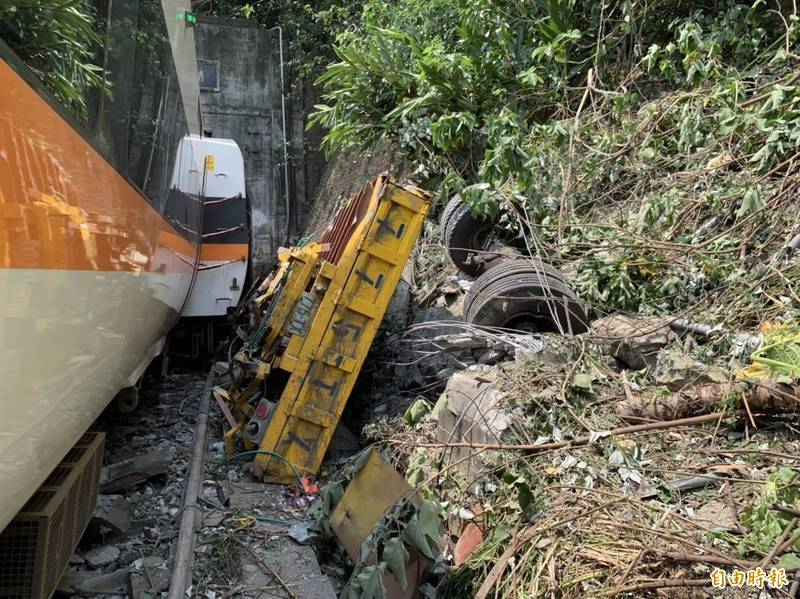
465 235
520 296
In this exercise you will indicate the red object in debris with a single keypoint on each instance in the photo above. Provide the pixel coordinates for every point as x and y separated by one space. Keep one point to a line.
262 410
309 488
467 543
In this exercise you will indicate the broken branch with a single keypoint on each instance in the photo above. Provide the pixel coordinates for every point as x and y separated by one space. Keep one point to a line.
577 442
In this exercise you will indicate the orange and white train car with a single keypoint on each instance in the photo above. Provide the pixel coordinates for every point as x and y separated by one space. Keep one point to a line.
102 231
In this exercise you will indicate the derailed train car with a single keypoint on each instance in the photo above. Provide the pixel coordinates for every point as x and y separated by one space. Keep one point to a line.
104 240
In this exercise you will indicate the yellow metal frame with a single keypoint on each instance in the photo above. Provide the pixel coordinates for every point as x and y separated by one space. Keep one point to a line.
325 361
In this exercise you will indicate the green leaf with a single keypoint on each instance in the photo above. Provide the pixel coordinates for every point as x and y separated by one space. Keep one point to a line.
501 533
583 380
429 521
396 555
785 475
370 582
790 561
422 530
751 202
414 536
444 403
416 412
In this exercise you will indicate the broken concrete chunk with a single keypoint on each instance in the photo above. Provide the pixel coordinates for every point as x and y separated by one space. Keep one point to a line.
131 472
102 556
149 577
476 413
633 340
113 513
398 312
300 533
676 370
94 583
213 518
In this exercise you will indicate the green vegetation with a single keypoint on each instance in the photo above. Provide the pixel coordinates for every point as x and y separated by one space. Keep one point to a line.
764 524
56 39
651 147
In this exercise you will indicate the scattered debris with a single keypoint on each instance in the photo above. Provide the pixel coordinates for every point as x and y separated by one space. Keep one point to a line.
473 411
112 514
133 471
675 370
634 341
102 556
468 542
94 583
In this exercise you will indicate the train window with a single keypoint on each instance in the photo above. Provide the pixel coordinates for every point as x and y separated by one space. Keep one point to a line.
157 122
111 66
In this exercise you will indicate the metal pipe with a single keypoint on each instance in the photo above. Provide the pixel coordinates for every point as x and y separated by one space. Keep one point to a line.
285 137
184 552
686 326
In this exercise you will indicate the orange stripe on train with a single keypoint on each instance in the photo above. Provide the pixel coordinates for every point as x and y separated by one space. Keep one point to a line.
224 251
62 206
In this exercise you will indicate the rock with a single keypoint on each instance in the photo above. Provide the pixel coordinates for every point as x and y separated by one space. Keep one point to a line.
149 576
94 583
471 410
469 540
300 533
213 518
676 370
102 556
399 309
715 515
129 473
76 560
113 513
633 340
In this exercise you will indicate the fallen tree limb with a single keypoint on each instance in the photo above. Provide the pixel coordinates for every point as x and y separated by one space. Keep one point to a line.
769 454
707 559
759 395
665 584
785 509
577 442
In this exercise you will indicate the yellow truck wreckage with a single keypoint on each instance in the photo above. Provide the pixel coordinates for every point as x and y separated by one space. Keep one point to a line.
314 322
